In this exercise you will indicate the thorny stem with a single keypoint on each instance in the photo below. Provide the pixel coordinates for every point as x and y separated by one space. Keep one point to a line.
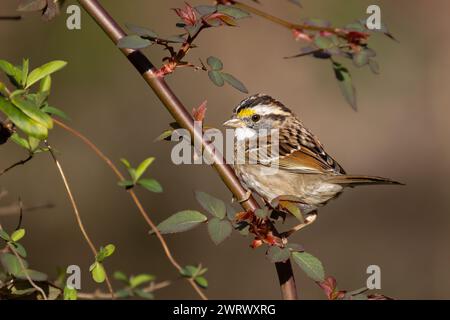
24 270
103 295
136 200
77 214
185 120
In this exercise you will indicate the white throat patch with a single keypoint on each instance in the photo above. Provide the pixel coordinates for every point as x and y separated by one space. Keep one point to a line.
244 133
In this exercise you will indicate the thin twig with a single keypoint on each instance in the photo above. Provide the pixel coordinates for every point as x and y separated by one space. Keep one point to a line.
24 270
77 214
135 198
21 162
152 287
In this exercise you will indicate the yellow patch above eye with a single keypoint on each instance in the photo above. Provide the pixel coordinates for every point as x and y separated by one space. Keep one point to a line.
246 113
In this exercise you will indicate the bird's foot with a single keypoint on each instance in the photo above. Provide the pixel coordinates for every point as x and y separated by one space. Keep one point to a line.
310 219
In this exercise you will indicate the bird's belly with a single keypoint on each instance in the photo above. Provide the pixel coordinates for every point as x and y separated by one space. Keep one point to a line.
310 189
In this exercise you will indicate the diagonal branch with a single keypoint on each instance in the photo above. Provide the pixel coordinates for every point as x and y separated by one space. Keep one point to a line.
185 120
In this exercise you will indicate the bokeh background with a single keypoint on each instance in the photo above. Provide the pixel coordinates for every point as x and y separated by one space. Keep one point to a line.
400 131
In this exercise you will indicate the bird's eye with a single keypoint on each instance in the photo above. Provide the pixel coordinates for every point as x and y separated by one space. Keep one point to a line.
256 117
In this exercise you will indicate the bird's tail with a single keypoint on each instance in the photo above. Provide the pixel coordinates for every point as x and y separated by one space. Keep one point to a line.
351 180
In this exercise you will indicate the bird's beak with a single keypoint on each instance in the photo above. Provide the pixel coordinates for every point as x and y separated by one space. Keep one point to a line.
234 123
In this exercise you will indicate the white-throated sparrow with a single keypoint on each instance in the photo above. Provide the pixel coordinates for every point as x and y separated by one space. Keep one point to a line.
305 170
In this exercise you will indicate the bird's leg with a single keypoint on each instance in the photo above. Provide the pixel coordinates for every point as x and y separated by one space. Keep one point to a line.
311 218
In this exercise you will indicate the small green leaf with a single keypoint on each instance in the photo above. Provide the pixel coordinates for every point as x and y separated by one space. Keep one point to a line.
216 78
43 71
211 204
145 295
202 282
98 272
141 31
46 84
20 141
310 265
118 275
323 42
25 66
11 264
140 170
55 112
33 274
133 42
151 185
181 221
32 111
20 249
126 163
105 252
127 184
140 279
219 230
22 121
234 82
123 293
166 135
70 293
215 63
277 254
189 271
4 235
18 234
232 11
345 84
14 73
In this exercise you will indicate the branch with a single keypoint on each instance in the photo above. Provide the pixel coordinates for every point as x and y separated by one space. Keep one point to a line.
152 287
77 214
19 163
136 200
185 120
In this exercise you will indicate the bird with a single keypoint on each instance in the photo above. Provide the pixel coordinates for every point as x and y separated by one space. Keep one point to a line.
305 171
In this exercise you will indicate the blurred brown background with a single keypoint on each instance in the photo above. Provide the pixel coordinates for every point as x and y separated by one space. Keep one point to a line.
401 131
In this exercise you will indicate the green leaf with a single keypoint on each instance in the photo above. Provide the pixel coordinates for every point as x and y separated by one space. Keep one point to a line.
123 293
11 264
46 84
166 135
14 73
323 42
140 279
181 221
219 230
144 295
18 234
105 252
4 235
216 78
55 112
126 163
20 249
44 70
140 170
118 275
34 143
141 31
151 185
189 271
214 206
22 121
33 274
206 9
215 63
345 83
295 247
133 42
32 111
20 141
98 272
127 184
232 11
234 82
293 209
25 67
70 293
310 265
202 282
277 254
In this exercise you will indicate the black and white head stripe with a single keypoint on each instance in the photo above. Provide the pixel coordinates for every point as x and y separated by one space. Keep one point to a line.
262 104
